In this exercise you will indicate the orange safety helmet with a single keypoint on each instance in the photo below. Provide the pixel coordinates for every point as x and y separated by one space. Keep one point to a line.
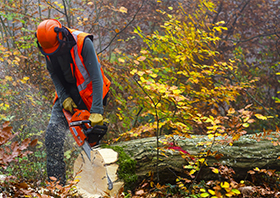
49 36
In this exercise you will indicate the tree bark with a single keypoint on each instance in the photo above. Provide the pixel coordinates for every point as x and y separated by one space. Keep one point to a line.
245 154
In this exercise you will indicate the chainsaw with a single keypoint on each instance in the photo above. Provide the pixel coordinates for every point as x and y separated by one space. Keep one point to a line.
84 134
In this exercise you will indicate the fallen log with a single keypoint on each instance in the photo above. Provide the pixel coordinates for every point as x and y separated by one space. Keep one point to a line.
245 154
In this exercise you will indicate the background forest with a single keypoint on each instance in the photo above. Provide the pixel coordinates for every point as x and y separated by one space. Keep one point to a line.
178 69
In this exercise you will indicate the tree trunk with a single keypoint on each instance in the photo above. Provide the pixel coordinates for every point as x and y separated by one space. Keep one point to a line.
243 155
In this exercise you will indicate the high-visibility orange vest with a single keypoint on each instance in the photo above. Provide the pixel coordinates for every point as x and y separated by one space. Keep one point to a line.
79 71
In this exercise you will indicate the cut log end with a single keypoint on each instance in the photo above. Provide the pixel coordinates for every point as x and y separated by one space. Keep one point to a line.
93 175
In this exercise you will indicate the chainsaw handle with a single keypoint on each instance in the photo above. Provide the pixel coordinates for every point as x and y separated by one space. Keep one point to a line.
97 130
103 127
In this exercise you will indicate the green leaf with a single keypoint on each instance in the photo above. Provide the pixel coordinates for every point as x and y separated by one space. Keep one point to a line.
188 167
204 194
236 191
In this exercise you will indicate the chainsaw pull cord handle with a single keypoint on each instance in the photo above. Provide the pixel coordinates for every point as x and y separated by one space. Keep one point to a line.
75 110
84 121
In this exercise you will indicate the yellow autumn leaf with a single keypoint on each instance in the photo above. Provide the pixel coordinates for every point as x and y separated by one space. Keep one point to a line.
202 190
225 185
76 180
133 71
201 160
231 111
123 9
161 89
177 91
141 58
90 3
153 75
117 30
261 117
215 170
142 79
119 116
17 59
140 73
220 22
212 192
181 185
143 51
192 171
210 136
9 78
121 60
229 194
256 169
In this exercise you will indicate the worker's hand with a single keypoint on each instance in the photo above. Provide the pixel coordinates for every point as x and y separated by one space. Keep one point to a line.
96 119
68 104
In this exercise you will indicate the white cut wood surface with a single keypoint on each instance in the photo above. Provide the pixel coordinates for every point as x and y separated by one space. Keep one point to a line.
92 174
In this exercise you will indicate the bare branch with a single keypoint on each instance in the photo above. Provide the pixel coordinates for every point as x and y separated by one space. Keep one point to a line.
257 36
66 15
123 28
47 2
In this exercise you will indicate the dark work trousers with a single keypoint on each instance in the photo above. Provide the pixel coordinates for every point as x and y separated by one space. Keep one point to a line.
54 142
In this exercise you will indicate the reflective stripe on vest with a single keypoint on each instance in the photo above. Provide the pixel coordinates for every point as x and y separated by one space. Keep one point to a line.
80 64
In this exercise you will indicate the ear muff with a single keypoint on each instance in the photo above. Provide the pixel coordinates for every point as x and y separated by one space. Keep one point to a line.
64 33
63 30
